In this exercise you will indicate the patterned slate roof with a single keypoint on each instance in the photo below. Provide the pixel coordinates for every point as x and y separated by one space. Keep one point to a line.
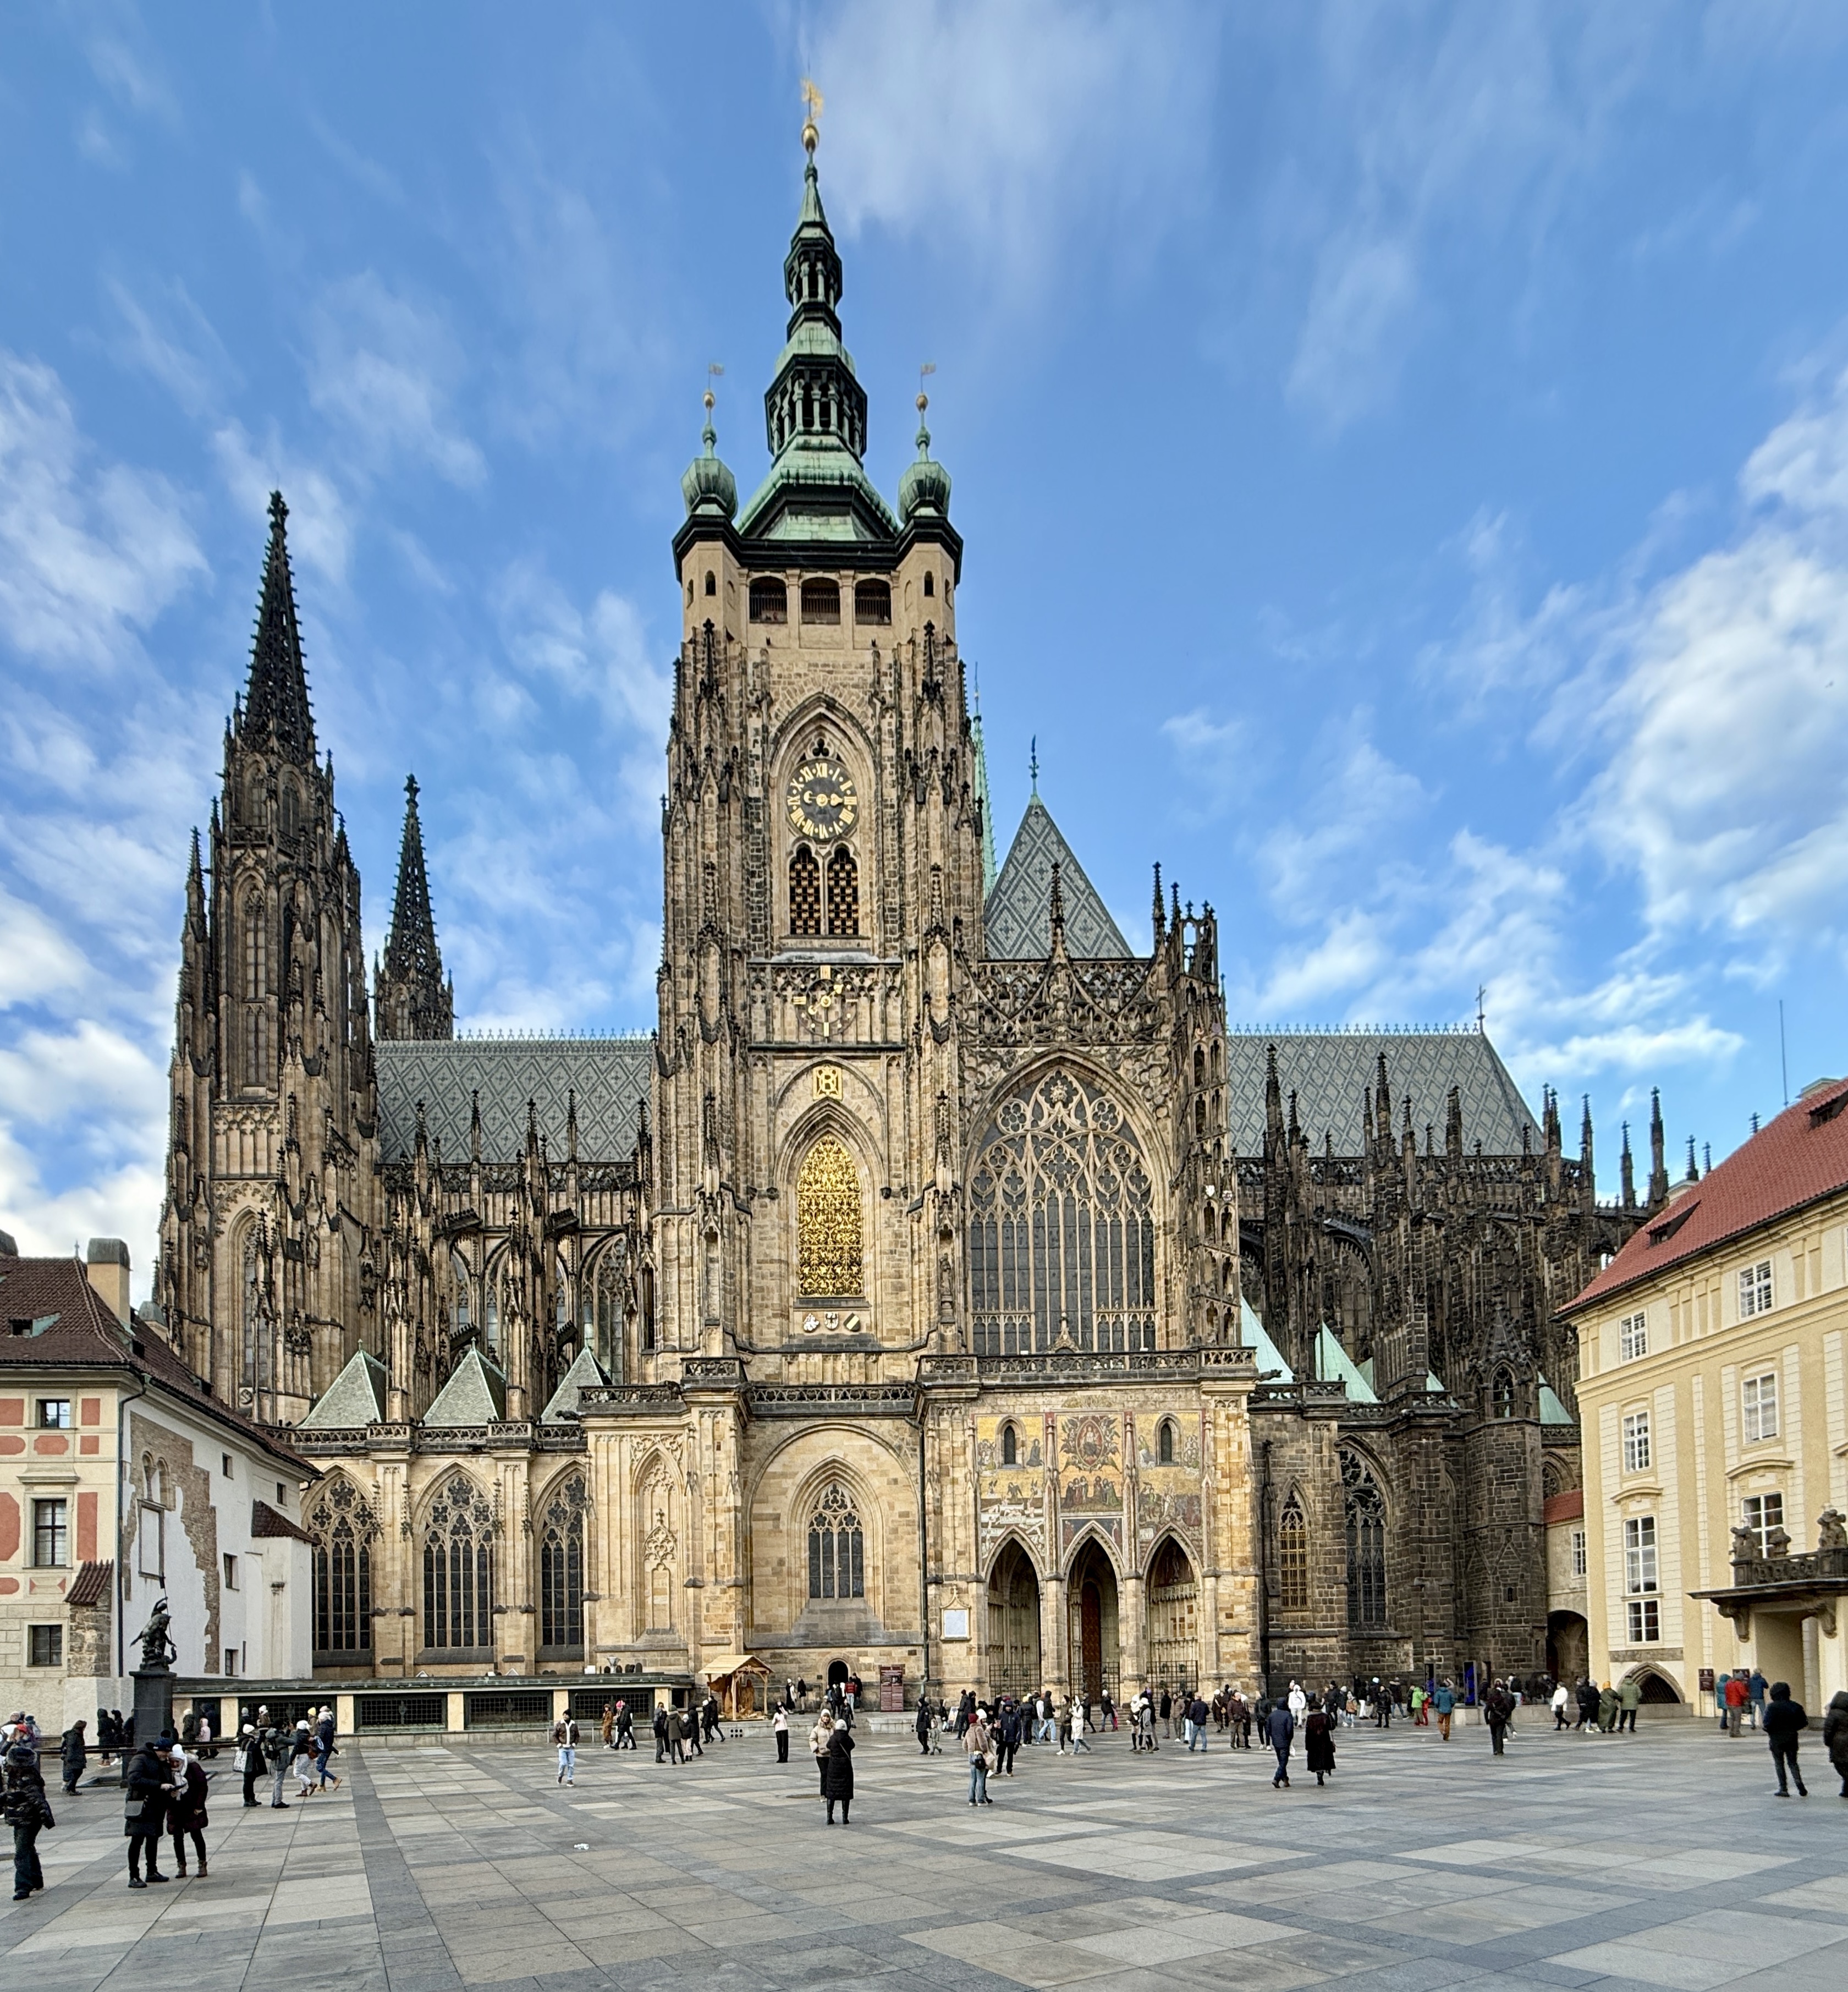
475 1394
1017 920
610 1076
1330 1072
356 1396
586 1373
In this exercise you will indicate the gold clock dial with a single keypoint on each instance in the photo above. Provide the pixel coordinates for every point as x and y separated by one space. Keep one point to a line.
822 803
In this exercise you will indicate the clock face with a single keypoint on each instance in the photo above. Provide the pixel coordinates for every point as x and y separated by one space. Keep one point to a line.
822 802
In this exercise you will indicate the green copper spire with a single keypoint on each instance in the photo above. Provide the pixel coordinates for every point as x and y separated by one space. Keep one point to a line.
815 407
709 488
924 490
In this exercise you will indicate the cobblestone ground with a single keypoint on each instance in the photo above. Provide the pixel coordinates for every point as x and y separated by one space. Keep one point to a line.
1662 1860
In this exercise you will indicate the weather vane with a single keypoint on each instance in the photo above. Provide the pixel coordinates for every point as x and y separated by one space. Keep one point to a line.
811 105
924 373
713 372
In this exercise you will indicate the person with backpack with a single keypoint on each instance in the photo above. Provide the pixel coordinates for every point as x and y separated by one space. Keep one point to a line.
1443 1704
28 1812
565 1736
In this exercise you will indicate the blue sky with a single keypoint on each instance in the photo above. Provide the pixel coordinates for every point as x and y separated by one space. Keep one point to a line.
1402 453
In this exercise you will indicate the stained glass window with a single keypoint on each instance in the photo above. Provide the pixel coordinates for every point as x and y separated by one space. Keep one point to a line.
458 1599
1365 1508
1061 1229
836 1548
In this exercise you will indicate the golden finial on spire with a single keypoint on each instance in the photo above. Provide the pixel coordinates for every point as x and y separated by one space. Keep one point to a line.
811 104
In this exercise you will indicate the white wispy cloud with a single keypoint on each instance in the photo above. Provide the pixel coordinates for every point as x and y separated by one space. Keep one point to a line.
89 552
384 371
1005 125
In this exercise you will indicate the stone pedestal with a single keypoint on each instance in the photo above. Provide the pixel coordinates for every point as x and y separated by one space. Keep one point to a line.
153 1703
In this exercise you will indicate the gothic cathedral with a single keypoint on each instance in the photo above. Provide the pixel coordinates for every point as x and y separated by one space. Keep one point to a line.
939 1288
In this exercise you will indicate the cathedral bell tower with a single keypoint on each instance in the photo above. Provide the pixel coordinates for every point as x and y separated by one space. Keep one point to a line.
266 1227
823 847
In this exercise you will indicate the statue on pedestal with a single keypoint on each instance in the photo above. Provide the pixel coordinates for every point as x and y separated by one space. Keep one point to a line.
158 1648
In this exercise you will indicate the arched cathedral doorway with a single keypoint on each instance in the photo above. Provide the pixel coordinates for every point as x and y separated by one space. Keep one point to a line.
1091 1590
1173 1619
1013 1624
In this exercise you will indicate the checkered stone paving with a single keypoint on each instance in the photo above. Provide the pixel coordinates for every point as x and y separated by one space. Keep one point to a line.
1661 1860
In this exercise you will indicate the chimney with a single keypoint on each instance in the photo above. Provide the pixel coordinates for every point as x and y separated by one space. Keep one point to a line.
108 1269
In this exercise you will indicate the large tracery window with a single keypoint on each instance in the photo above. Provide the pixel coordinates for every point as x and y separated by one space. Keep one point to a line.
1366 1544
343 1528
844 894
836 1548
829 1251
458 1591
562 1574
1061 1229
805 894
1293 1557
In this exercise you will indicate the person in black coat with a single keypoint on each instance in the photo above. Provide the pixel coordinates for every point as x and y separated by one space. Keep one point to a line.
145 1808
1782 1719
28 1812
924 1725
252 1745
1279 1727
186 1814
73 1753
1318 1739
840 1777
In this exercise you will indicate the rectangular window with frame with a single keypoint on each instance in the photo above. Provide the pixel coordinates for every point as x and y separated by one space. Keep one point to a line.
230 1571
150 1542
1640 1571
1633 1336
44 1646
54 1414
1637 1454
1754 1290
1578 1553
1761 1513
1758 1406
1645 1621
230 1660
50 1535
225 1466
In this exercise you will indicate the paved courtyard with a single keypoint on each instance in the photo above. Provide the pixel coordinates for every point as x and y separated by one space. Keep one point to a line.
1661 1860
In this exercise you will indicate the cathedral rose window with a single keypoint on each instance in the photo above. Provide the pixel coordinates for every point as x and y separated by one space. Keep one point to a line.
828 1222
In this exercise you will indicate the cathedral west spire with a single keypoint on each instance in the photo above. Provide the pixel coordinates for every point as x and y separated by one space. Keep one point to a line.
275 709
413 1000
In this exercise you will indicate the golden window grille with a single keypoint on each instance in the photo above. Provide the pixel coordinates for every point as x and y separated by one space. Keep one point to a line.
844 894
805 893
828 1218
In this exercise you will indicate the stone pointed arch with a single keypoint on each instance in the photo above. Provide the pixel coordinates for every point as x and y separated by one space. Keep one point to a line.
339 1517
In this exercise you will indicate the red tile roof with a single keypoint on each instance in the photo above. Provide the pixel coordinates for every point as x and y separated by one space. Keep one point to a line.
267 1521
52 1318
1567 1507
90 1586
1800 1157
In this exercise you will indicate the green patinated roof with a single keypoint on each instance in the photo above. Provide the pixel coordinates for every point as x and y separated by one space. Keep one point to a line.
475 1394
587 1373
1333 1365
1552 1411
356 1396
1251 1333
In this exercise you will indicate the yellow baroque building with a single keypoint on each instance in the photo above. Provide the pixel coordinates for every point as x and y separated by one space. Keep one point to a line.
1711 1387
